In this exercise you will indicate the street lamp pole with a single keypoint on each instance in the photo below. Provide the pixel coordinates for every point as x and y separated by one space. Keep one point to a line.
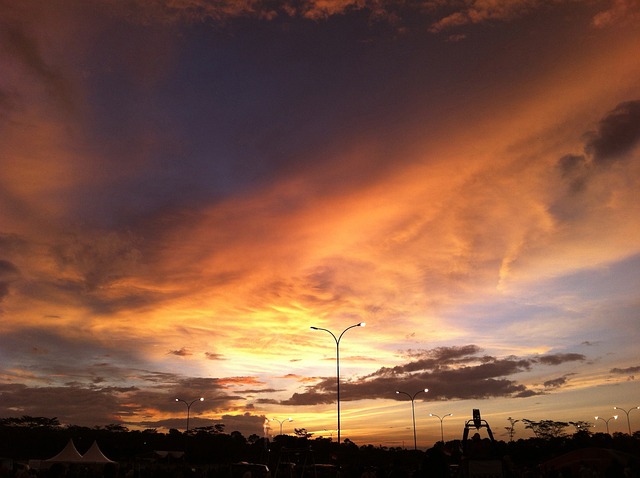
413 412
627 412
606 420
337 340
281 421
441 420
188 404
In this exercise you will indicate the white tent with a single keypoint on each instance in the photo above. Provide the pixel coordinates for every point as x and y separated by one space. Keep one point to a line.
69 454
95 455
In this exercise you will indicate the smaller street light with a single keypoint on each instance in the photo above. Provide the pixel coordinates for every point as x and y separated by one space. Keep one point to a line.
606 420
627 412
413 413
441 420
188 404
281 422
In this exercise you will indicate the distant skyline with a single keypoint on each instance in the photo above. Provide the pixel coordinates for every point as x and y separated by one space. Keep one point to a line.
187 187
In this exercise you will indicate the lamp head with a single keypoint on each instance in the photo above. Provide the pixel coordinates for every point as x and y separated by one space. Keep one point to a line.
615 417
314 328
596 417
202 399
177 399
362 324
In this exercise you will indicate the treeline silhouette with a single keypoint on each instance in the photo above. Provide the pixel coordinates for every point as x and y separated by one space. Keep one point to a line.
27 438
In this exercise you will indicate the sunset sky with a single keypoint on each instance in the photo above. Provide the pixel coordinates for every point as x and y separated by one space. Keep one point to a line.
187 186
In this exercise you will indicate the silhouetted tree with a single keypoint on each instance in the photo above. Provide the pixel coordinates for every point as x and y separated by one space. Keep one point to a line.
582 426
302 433
511 429
116 427
31 422
238 437
216 429
546 429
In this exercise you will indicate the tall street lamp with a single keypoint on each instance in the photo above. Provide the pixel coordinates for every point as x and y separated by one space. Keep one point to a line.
606 420
441 420
337 340
627 412
282 421
188 404
413 412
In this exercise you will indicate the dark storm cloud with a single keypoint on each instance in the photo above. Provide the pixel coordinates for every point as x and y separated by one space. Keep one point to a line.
88 403
71 368
435 358
73 405
216 398
251 391
310 397
463 385
165 399
557 359
526 393
617 134
624 371
445 353
448 372
157 378
556 382
268 401
614 138
444 358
